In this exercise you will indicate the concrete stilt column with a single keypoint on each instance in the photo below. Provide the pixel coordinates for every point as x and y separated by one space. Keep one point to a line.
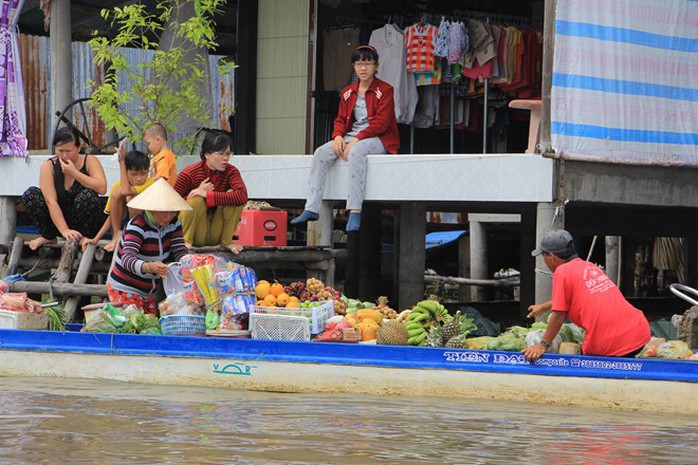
548 216
320 231
8 219
61 58
478 258
612 257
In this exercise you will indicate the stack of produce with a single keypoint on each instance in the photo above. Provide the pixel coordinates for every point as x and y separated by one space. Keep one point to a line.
423 316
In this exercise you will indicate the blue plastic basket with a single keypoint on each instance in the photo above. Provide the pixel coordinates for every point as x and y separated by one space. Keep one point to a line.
183 325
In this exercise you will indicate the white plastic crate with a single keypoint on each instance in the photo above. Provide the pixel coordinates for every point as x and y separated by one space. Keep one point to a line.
279 327
21 320
317 316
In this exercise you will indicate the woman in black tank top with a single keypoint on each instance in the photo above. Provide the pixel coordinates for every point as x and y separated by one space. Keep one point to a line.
67 203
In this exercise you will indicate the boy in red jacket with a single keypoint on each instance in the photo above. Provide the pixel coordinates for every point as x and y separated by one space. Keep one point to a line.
365 124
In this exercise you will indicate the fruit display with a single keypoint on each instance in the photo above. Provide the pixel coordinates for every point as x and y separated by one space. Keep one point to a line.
314 290
423 316
452 333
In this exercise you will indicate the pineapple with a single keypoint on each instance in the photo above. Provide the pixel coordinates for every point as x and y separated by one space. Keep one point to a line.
452 328
457 342
435 337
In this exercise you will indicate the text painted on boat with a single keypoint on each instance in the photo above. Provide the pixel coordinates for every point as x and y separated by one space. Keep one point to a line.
236 368
551 361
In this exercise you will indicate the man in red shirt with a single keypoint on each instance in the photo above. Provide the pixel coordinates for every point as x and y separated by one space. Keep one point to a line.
588 298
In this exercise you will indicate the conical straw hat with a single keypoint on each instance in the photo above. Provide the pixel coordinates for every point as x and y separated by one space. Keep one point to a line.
160 197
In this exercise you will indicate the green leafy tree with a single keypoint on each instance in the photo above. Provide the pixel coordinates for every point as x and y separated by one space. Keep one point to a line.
165 89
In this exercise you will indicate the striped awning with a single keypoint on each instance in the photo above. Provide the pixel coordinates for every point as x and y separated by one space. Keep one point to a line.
624 85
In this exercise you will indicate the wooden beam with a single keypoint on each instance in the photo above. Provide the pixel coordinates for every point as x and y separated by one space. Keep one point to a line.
61 289
502 283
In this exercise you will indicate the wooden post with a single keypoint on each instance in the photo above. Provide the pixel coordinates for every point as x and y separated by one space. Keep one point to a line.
464 266
8 219
15 254
351 280
413 228
547 73
370 253
71 303
527 264
320 231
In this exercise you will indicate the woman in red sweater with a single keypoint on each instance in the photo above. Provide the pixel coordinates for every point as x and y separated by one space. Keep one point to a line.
365 124
216 192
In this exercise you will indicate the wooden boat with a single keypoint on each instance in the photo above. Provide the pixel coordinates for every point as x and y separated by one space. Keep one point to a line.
585 381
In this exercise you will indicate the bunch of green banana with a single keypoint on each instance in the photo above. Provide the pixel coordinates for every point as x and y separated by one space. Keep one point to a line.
437 310
425 314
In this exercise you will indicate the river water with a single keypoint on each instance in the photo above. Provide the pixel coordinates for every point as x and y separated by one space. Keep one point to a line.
57 421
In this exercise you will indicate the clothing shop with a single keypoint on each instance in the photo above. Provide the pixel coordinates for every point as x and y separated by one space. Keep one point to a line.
455 66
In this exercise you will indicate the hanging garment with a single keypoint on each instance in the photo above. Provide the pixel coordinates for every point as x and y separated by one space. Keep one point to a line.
389 43
427 114
458 42
419 41
442 39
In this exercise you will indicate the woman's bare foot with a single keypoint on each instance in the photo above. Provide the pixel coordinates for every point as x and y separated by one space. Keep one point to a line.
234 248
110 246
34 244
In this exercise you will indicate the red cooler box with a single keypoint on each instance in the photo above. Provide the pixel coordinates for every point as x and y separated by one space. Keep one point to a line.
262 227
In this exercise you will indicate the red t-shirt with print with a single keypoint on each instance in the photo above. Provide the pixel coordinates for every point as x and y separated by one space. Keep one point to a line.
592 301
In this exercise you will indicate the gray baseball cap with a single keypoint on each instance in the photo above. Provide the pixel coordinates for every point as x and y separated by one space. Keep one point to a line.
557 241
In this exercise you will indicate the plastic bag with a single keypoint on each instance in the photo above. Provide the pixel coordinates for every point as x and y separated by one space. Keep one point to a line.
178 304
661 348
535 336
485 326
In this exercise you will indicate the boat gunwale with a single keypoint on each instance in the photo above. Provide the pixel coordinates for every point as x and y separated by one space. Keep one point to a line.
347 354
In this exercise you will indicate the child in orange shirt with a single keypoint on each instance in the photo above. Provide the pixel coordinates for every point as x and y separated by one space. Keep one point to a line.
134 167
163 163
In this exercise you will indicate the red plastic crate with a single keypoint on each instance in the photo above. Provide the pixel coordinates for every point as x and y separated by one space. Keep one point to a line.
262 227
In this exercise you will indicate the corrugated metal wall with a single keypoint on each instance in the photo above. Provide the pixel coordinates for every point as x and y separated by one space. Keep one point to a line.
282 76
36 71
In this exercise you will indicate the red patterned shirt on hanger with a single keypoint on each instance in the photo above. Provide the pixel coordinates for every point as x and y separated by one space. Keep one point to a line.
419 41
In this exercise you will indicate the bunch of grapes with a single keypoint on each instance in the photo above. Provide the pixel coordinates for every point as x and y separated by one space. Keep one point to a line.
340 308
314 285
296 289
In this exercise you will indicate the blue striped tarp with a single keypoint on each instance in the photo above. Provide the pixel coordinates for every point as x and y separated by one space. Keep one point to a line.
624 85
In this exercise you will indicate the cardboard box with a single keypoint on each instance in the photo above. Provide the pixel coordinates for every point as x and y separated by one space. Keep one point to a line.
262 227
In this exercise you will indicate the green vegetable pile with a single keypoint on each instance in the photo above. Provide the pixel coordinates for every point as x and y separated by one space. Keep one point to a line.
130 320
56 317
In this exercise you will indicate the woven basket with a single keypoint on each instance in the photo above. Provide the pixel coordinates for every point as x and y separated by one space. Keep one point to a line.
183 325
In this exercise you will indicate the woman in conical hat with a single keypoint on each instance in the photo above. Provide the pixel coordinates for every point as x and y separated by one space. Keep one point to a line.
149 240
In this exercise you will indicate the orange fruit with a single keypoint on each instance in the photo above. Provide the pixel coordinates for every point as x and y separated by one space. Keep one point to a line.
259 303
276 289
292 303
270 300
282 299
262 289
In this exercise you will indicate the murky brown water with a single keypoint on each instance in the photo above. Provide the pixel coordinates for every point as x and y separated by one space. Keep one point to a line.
49 421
